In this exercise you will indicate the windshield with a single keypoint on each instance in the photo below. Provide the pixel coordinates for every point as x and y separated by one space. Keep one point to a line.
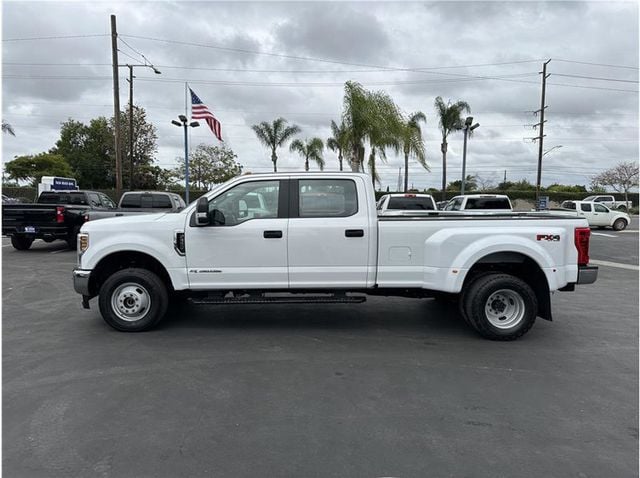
589 198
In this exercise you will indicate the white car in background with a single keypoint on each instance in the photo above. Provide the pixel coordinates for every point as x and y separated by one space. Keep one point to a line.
405 204
596 214
610 202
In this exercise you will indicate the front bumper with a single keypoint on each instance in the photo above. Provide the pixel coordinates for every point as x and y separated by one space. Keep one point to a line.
587 274
81 281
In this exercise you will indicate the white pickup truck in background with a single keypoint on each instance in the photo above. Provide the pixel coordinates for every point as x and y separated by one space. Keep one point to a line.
479 204
316 237
596 214
610 202
399 204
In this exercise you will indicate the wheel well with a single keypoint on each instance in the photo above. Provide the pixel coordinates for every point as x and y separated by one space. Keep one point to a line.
518 265
123 260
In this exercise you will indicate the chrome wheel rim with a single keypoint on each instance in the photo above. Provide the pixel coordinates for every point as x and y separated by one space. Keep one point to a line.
505 309
130 302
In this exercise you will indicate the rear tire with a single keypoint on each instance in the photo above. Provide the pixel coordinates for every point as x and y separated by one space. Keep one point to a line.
500 306
619 225
21 243
133 300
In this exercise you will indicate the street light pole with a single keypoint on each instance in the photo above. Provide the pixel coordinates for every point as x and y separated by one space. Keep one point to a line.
467 128
185 124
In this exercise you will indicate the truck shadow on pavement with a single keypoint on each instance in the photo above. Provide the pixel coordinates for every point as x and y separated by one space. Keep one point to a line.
416 316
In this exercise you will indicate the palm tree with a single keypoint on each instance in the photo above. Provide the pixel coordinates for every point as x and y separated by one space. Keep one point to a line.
310 149
339 142
450 120
371 116
274 136
7 128
412 143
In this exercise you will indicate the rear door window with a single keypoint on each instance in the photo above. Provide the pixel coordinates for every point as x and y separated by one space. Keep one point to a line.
585 207
327 198
94 200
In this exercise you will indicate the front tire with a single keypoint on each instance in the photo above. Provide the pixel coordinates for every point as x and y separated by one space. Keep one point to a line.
500 306
133 300
21 243
619 225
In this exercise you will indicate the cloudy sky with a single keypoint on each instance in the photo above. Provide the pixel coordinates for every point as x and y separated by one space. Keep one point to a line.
252 62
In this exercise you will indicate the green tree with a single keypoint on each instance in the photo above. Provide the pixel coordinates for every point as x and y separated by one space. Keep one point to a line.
274 135
470 184
450 119
309 149
89 150
209 165
144 136
32 167
373 117
339 141
564 188
621 178
412 144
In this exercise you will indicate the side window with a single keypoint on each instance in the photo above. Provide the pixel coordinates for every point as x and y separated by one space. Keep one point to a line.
131 200
380 203
601 199
106 201
454 204
600 208
327 198
585 207
94 200
252 200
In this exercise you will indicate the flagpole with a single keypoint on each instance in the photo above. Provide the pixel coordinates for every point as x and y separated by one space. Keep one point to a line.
186 147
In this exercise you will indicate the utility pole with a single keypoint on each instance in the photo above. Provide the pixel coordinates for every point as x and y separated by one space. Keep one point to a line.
130 127
116 105
541 124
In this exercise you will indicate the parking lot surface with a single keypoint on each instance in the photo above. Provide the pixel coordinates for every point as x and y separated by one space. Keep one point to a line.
393 387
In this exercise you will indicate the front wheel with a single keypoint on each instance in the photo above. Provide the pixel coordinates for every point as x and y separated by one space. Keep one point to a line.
619 225
500 306
21 243
133 300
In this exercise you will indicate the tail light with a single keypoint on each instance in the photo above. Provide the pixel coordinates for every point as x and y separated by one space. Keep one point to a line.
60 214
581 238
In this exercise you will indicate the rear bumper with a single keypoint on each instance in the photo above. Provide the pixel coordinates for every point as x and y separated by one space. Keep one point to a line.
587 274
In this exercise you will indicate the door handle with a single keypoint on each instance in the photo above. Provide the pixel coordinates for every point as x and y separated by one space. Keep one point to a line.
272 234
354 233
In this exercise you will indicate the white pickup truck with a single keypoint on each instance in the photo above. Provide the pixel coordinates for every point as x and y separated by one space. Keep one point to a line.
596 214
317 238
610 202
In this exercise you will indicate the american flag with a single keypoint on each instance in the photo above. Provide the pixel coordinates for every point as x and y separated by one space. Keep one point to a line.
200 111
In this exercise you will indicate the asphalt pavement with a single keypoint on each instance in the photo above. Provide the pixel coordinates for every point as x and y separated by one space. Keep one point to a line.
392 387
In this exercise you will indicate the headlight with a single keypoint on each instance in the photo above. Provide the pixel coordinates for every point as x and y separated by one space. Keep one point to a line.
83 242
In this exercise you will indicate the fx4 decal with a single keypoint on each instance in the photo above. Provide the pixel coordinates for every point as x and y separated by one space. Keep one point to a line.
548 237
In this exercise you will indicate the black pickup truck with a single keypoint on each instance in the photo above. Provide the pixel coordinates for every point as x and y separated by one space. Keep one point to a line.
55 215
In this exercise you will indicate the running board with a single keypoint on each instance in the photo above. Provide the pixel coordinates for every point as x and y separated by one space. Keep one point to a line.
279 300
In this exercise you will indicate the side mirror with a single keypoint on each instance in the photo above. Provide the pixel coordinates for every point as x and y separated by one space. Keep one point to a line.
202 212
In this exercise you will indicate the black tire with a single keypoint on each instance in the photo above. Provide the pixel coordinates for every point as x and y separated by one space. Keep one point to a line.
619 224
146 295
72 238
509 295
622 208
21 243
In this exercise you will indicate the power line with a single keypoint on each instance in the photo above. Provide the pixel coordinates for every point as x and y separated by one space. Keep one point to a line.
596 78
61 37
597 64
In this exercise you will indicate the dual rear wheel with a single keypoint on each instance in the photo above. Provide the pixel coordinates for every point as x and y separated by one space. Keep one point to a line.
499 306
